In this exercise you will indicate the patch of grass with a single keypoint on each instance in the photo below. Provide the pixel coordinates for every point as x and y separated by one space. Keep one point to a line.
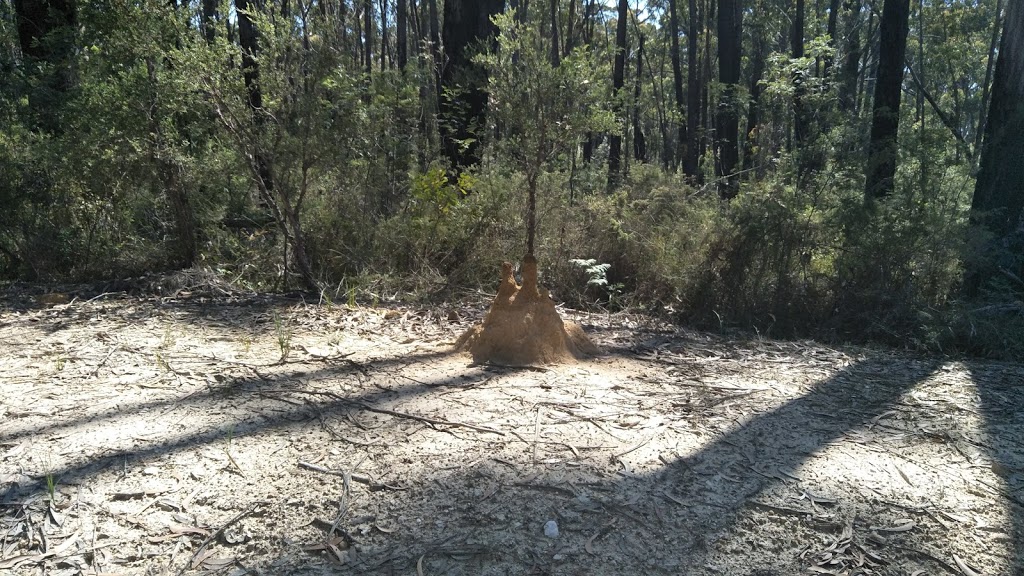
284 336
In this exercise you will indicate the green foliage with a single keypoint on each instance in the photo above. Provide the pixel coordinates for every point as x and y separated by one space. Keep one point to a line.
156 109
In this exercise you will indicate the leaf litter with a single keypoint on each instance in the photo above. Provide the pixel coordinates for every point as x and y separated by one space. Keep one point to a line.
231 433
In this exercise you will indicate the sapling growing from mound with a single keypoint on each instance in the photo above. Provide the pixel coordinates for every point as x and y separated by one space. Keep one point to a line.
544 108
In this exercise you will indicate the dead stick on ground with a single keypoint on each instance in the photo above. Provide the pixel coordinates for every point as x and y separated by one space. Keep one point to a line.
96 370
536 433
217 533
354 476
398 414
434 421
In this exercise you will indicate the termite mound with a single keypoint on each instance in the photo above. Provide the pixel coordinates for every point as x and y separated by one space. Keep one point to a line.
522 327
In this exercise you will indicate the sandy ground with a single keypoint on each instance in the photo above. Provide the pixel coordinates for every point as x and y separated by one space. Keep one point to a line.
237 434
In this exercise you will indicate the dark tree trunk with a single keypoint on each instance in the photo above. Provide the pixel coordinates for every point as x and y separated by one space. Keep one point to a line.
677 78
435 46
730 26
986 87
999 193
801 117
618 80
46 34
639 140
570 30
693 91
464 105
588 38
706 118
885 119
210 17
401 33
832 29
249 42
368 37
555 54
754 109
384 50
851 61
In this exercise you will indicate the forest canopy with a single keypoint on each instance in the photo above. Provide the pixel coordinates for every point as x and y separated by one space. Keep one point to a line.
842 169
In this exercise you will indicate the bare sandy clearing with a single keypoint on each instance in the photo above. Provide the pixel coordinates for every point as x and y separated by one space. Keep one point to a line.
177 440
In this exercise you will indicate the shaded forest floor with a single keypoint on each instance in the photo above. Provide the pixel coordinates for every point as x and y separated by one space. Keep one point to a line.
222 433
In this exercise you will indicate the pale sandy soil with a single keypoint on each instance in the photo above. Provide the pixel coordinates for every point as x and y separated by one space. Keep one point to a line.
249 434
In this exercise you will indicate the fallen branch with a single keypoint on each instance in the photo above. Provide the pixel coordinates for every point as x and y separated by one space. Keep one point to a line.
433 421
396 413
216 533
354 476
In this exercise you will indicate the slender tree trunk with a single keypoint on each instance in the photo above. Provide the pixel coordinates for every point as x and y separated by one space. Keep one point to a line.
989 67
832 29
368 37
639 140
999 192
677 78
801 116
588 38
851 60
730 36
693 92
754 109
570 30
885 120
618 80
401 33
384 49
707 120
435 47
555 54
210 17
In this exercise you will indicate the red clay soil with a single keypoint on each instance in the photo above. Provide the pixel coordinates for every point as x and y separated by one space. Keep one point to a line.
523 328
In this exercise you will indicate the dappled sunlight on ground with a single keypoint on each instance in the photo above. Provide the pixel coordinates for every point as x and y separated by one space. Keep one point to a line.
145 435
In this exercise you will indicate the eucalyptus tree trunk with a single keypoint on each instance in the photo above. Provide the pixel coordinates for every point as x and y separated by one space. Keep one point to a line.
402 33
618 81
555 54
998 201
885 116
851 60
677 77
464 105
693 91
639 140
730 37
